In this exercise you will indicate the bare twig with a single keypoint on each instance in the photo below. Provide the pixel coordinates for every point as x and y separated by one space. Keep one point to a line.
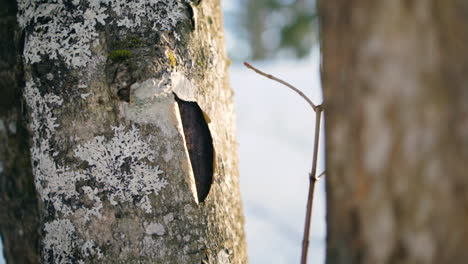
282 82
312 180
318 109
318 177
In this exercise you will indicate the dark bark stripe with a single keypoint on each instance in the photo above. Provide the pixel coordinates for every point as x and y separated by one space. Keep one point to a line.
18 204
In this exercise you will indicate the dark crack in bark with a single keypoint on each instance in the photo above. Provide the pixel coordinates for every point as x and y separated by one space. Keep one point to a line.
199 145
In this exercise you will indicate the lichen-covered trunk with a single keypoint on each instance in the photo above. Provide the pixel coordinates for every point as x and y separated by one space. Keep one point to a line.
395 84
18 204
133 140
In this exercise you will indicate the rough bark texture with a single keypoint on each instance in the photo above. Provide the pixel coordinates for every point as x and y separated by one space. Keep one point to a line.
18 203
394 79
110 159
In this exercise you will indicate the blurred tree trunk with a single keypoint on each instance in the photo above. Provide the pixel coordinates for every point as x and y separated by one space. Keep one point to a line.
133 142
18 203
395 83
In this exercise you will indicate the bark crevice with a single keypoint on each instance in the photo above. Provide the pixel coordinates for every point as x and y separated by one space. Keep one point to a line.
199 145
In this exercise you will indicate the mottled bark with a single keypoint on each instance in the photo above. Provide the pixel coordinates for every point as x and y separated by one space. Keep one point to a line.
18 203
394 80
109 153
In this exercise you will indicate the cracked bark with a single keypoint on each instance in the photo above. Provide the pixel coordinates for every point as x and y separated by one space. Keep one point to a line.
111 164
199 146
394 80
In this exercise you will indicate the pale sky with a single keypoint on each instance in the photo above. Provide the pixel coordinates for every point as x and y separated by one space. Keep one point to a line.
275 134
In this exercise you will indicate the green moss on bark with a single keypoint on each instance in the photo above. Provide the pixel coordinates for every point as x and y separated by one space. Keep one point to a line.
120 55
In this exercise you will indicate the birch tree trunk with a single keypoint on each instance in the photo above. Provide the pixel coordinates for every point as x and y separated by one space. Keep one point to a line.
394 79
18 203
133 139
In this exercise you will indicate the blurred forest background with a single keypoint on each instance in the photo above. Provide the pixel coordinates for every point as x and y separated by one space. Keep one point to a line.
394 78
270 29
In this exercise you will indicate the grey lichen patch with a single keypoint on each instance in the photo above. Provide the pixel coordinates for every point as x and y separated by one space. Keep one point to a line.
163 14
154 229
168 218
90 249
68 30
120 165
61 240
53 182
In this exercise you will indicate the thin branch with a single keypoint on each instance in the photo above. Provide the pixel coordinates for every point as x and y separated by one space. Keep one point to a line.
318 109
320 176
284 83
312 181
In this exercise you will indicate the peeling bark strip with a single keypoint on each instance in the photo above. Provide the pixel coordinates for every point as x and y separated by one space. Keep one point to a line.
199 145
108 150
